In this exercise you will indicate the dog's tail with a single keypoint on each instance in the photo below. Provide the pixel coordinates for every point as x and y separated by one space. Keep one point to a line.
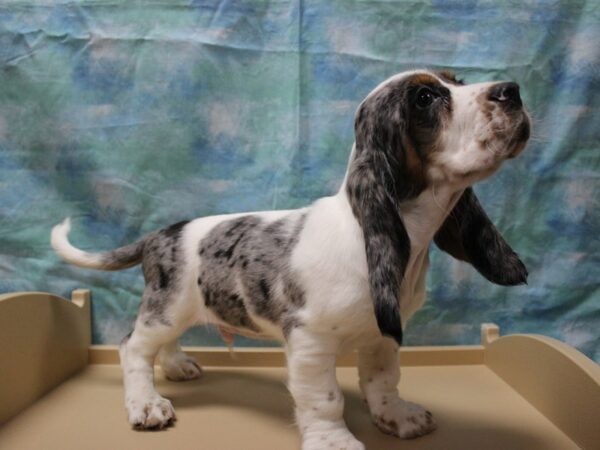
120 258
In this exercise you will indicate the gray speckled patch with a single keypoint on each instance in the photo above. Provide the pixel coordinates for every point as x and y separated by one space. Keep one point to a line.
161 261
246 265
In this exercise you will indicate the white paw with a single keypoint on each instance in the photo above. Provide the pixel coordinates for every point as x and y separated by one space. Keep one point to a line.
404 419
180 367
153 413
331 440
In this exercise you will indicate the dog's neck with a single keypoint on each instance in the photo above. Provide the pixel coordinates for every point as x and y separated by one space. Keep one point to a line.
425 214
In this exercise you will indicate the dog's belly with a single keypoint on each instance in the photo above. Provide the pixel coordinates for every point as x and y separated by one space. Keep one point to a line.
228 334
201 315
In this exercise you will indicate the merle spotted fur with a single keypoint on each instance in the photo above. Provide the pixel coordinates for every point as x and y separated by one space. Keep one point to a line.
257 254
378 180
161 260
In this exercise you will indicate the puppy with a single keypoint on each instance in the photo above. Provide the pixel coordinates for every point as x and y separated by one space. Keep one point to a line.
346 272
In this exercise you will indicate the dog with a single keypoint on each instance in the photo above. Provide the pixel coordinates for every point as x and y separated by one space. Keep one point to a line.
344 273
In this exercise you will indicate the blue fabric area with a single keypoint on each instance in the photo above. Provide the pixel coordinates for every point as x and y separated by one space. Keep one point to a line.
132 116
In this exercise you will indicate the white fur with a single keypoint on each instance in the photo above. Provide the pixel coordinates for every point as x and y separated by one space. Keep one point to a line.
64 249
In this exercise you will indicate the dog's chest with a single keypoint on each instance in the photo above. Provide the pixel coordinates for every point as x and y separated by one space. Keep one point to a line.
412 291
422 217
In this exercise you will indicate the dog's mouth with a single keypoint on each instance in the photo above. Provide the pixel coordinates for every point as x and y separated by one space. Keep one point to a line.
507 138
520 138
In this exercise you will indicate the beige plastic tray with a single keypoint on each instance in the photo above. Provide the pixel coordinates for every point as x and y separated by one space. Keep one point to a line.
59 392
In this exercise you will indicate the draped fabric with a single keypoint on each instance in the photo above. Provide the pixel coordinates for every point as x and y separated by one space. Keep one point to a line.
129 116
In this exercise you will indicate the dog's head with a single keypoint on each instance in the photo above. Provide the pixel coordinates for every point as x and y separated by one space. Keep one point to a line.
432 128
417 130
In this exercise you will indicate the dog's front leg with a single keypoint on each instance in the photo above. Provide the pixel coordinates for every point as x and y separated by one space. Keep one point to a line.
379 374
318 398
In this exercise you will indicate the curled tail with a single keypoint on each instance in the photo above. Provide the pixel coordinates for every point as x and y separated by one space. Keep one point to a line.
120 258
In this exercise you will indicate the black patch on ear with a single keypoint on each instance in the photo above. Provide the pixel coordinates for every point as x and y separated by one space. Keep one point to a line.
388 249
386 170
469 235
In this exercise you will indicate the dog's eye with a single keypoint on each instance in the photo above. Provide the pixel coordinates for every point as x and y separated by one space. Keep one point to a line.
424 98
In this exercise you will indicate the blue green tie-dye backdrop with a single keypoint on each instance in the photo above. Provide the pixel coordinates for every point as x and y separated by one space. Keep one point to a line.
129 116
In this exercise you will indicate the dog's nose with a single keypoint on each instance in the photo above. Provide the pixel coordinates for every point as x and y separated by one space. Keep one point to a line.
506 94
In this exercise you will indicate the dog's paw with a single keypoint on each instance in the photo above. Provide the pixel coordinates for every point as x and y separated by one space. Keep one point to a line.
331 440
152 414
405 420
180 367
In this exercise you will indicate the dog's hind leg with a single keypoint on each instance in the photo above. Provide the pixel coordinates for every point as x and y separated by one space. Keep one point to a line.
145 407
176 365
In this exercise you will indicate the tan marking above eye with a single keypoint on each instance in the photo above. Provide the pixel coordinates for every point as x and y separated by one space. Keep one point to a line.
423 78
449 76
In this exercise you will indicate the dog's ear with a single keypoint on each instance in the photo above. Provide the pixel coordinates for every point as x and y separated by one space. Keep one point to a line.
383 171
469 235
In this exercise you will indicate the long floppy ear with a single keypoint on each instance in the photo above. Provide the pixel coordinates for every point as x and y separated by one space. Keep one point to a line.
469 235
385 170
